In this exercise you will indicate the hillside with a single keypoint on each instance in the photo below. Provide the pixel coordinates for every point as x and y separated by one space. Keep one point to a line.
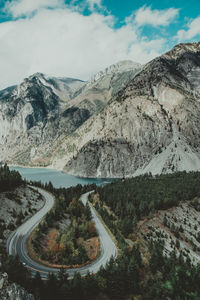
151 125
154 220
37 115
165 212
126 120
18 202
101 87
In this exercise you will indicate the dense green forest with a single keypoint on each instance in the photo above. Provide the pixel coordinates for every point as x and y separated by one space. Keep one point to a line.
134 198
70 247
66 246
130 276
9 180
127 278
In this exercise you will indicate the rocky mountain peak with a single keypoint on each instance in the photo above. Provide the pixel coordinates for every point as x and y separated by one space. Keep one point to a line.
95 93
150 126
37 75
61 87
180 49
177 69
127 120
120 67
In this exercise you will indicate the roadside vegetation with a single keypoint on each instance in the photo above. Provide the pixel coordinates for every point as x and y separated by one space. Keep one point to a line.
63 237
143 270
67 236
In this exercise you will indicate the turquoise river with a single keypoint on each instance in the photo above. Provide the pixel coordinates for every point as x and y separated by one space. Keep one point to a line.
58 179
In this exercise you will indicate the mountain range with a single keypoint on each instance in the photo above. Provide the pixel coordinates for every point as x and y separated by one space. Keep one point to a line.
126 120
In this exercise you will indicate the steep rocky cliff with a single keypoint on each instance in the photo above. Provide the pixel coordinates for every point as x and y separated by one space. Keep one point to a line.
33 117
97 92
152 125
126 120
38 114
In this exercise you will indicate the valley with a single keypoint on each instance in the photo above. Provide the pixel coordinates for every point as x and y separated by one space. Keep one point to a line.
57 178
153 219
99 150
76 239
125 121
128 139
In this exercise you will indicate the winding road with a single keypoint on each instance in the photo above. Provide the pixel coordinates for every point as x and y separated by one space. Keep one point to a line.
16 243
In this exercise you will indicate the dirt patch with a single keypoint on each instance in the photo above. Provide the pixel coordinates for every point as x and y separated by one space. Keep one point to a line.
52 244
92 247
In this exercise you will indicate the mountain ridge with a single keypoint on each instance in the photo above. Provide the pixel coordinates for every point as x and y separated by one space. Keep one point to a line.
121 124
160 93
37 114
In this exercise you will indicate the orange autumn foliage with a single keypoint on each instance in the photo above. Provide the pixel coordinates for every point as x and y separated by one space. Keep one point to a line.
92 247
52 244
92 229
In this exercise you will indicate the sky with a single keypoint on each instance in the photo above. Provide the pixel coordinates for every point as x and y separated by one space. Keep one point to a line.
78 38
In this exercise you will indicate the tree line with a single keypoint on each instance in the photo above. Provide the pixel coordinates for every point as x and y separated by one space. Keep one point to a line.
132 199
129 276
9 180
126 278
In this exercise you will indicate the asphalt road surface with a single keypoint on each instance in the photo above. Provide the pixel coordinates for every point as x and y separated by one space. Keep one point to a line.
16 243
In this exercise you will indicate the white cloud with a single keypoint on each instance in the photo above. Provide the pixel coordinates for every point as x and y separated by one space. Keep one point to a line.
26 7
146 50
147 16
64 42
192 31
93 4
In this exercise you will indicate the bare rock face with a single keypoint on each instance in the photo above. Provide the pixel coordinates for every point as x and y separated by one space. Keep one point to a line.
178 69
12 291
97 92
37 115
125 121
34 116
152 125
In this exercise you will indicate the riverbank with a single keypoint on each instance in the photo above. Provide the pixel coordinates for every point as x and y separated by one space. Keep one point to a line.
32 167
57 178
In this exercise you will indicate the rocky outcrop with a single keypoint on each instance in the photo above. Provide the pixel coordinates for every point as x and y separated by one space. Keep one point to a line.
120 139
33 118
37 115
152 125
178 69
125 121
101 87
12 291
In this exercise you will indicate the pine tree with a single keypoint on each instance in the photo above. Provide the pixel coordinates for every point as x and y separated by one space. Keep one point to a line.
88 212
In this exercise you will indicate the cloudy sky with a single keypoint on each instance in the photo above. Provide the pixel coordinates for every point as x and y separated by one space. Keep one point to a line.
77 38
